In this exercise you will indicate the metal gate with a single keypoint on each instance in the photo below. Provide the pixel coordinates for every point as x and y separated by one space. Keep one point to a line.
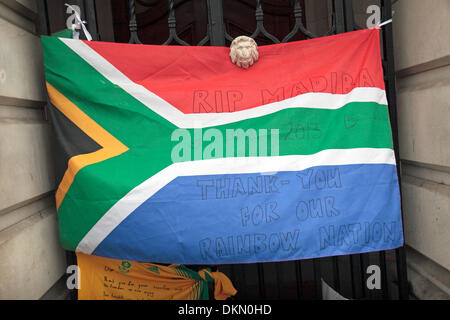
301 279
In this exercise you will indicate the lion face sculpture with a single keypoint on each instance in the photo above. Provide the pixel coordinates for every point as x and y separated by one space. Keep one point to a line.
243 51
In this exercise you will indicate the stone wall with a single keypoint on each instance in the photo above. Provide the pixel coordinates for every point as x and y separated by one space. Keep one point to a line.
31 259
422 57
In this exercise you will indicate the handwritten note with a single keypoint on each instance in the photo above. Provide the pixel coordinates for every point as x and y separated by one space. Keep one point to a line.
110 279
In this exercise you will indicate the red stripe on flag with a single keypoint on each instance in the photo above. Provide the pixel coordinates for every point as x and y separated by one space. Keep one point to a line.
203 79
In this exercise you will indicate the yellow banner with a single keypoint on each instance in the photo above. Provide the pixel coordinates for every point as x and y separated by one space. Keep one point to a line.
110 279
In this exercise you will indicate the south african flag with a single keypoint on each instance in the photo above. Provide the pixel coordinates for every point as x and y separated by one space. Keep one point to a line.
173 154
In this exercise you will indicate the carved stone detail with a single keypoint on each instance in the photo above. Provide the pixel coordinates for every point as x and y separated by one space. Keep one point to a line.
244 51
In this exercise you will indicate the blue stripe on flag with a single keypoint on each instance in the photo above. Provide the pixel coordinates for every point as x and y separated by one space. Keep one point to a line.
240 218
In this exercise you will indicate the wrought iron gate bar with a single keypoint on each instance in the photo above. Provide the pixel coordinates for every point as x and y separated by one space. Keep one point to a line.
384 281
261 282
244 286
216 30
203 41
317 278
278 278
338 10
260 24
349 17
91 17
352 276
133 24
299 278
336 278
42 27
364 264
216 27
172 22
298 14
232 271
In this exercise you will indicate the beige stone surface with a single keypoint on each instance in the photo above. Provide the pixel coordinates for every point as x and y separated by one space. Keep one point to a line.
26 166
21 70
31 259
424 117
427 218
420 31
428 279
421 50
26 209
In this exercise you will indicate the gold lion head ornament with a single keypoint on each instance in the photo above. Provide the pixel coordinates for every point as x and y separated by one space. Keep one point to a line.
244 51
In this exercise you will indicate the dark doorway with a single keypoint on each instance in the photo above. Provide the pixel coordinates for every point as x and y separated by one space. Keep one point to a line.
192 20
